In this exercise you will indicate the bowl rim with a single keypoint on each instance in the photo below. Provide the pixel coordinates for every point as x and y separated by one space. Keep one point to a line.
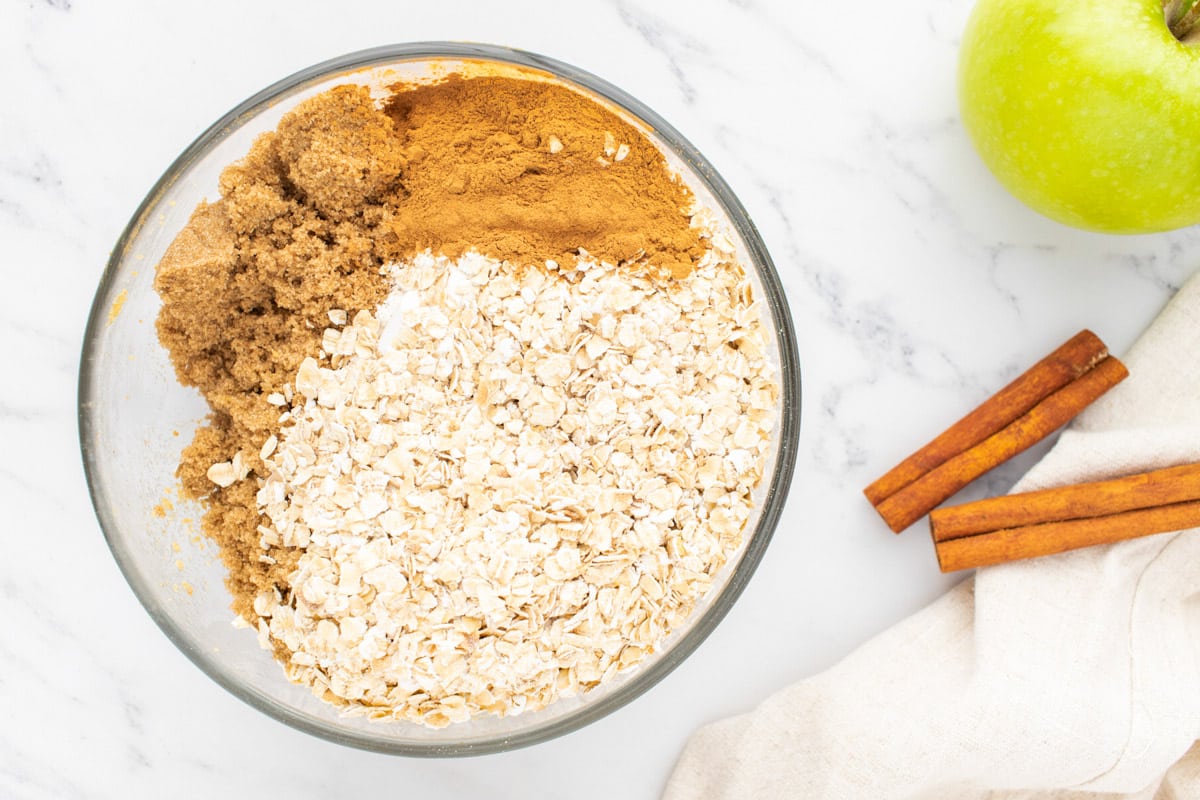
789 421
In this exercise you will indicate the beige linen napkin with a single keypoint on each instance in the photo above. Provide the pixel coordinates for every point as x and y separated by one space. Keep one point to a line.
1058 677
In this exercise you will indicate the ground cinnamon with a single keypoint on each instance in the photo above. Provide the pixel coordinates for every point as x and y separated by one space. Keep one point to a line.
520 169
523 170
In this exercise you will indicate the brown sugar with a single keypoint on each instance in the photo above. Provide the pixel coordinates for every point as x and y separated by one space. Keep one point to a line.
519 170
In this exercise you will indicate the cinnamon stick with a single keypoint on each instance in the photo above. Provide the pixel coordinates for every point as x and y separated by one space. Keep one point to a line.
1031 524
1033 406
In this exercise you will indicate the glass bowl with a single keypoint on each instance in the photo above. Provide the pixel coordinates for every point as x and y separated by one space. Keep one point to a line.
135 418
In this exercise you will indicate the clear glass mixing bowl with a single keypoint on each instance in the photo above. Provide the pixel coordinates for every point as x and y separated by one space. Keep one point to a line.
134 419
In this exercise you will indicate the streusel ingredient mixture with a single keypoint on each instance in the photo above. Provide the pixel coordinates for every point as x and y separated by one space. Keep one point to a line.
489 393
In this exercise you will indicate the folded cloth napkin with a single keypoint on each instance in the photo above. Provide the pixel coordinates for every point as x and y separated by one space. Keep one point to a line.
1059 677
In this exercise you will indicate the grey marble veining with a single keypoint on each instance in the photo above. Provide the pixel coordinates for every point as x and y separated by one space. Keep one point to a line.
918 286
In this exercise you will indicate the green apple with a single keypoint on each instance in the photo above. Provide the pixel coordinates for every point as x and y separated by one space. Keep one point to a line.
1089 112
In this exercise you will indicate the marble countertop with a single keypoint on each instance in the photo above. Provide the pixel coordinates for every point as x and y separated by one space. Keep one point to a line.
918 286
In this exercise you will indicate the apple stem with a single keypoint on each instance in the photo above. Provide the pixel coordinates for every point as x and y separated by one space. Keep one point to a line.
1181 16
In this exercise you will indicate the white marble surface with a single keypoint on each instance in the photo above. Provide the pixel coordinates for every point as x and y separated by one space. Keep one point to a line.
917 286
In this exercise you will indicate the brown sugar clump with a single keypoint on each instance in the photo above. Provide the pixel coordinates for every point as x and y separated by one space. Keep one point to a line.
339 152
518 170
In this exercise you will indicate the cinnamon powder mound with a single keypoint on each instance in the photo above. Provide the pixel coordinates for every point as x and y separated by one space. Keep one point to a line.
518 170
524 170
